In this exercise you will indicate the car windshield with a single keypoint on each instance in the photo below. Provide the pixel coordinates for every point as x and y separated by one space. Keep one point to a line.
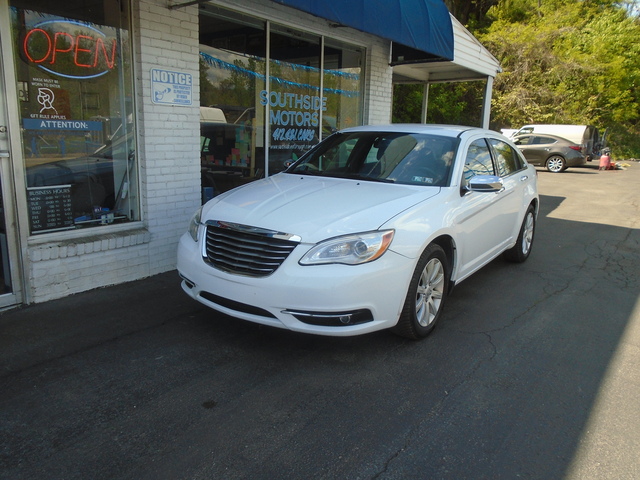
391 157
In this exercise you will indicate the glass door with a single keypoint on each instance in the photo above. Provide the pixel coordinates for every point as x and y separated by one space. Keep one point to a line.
10 276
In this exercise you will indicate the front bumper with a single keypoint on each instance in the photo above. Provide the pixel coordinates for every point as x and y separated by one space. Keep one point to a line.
337 300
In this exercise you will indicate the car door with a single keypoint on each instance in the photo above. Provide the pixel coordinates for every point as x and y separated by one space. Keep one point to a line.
485 220
515 179
530 149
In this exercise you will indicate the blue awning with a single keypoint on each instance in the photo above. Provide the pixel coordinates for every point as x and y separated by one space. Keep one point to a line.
424 26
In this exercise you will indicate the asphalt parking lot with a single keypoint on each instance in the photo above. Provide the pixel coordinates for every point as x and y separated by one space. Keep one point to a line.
533 373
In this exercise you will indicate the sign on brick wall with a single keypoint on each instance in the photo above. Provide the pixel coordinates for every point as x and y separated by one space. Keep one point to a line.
171 88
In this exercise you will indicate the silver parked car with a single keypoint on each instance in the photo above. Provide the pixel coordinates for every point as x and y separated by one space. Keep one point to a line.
554 153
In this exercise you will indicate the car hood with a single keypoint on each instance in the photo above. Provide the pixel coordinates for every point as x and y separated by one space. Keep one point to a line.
315 208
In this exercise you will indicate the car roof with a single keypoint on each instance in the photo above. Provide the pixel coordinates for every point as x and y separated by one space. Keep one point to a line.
539 134
444 130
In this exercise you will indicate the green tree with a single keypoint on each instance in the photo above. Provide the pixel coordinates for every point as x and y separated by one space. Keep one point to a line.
470 12
567 62
449 103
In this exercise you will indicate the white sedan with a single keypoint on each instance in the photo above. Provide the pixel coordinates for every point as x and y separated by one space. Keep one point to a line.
369 230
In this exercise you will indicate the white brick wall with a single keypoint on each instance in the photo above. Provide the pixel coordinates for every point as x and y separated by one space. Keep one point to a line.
379 97
170 139
70 266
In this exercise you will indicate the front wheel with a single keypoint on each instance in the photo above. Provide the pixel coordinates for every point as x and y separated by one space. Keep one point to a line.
426 296
556 164
521 250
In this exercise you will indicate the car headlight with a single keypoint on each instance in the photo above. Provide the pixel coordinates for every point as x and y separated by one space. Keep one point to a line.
194 224
349 249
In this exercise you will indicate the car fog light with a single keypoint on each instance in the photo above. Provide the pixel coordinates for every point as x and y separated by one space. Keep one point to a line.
328 319
188 283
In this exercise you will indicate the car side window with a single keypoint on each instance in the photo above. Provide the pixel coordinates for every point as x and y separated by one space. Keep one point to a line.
543 140
507 160
524 140
478 160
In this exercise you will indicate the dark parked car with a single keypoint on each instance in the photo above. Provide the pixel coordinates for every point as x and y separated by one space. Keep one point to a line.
554 153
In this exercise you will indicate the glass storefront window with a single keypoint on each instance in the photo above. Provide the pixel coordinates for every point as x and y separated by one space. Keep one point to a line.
295 101
232 75
73 68
342 86
313 91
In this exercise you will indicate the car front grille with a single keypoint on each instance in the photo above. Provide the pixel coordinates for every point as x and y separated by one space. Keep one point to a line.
246 250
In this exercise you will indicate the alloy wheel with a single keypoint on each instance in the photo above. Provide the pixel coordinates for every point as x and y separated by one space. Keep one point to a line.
430 292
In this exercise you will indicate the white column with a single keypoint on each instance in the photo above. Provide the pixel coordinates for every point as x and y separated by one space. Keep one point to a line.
486 107
425 102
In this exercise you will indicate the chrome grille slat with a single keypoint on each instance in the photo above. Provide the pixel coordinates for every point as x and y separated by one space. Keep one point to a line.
244 250
248 248
235 265
237 258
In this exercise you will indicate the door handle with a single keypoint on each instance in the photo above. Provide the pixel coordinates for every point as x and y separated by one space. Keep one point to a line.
4 153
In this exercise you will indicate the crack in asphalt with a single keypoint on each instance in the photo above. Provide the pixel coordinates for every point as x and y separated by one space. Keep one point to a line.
414 432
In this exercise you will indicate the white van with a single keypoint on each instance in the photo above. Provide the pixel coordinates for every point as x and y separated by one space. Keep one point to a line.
586 136
212 115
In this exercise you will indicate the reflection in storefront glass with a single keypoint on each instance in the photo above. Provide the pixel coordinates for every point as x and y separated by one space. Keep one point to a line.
75 92
342 87
295 100
303 103
232 74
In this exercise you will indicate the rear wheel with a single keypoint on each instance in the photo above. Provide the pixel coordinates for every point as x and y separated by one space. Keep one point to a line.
521 250
426 296
556 164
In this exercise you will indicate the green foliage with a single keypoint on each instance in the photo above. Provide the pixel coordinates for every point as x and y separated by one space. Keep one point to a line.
449 103
470 12
407 103
456 103
564 61
567 62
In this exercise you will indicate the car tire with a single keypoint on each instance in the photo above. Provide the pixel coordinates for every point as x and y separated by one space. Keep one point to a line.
556 164
426 295
521 250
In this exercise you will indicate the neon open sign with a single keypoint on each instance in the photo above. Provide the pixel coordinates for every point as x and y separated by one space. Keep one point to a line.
60 48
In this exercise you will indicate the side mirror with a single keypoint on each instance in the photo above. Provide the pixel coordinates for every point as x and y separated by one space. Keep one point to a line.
485 183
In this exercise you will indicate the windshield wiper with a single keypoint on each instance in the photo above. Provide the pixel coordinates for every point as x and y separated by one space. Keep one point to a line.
350 176
357 176
313 173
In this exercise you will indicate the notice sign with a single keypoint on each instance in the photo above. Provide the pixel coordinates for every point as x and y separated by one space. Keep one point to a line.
50 208
171 88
